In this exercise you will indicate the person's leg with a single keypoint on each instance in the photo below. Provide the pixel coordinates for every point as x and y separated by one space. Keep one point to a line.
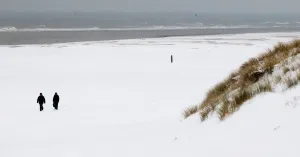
41 107
56 105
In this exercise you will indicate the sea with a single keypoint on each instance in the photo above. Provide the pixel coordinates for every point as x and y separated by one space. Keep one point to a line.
18 28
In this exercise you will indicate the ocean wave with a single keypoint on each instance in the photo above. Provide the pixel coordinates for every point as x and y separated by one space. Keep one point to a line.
275 23
43 28
266 23
8 29
282 23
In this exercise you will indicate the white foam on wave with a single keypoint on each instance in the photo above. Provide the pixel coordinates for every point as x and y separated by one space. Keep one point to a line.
43 28
8 29
282 23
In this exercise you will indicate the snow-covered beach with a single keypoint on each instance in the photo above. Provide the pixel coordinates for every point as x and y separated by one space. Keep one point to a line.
125 98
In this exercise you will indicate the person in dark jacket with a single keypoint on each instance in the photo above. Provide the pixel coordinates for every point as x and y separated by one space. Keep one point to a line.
41 100
55 101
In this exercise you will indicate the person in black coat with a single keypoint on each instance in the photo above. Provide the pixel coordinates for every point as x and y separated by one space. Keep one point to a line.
41 100
55 101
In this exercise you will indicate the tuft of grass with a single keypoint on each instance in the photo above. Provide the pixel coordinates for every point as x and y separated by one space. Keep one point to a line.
205 112
239 99
290 83
295 43
282 47
298 75
265 87
223 111
190 111
277 79
285 70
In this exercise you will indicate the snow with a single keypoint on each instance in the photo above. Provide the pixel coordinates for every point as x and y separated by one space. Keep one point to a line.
125 98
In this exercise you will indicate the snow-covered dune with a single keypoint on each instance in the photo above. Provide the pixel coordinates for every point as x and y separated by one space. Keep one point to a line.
125 98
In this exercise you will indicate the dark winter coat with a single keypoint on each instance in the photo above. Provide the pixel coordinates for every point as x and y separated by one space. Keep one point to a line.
56 98
41 100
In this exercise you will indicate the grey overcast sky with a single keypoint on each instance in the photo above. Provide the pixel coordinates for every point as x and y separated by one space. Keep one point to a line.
153 5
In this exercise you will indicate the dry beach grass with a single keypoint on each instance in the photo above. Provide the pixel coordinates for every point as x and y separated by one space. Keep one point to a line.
277 66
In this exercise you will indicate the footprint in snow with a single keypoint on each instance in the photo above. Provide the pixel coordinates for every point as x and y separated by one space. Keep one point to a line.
276 128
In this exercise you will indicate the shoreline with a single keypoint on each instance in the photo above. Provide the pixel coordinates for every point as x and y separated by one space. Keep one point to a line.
41 38
153 40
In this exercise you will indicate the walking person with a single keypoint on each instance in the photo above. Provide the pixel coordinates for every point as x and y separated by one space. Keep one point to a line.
55 101
41 100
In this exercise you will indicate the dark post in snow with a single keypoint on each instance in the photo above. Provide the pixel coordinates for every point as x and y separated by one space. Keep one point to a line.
171 58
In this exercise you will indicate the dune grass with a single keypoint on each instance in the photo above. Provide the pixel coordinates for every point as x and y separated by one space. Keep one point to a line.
190 110
249 80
